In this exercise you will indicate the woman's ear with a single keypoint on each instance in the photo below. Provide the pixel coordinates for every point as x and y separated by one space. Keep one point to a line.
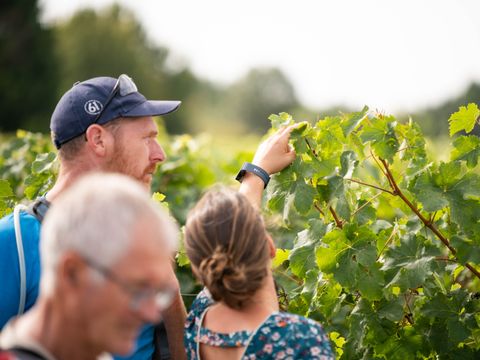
271 246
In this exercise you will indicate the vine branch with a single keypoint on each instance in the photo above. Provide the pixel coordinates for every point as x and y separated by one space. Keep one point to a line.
370 185
338 221
428 223
310 147
361 207
394 231
315 204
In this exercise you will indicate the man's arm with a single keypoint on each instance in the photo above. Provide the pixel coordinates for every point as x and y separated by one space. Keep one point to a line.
273 155
174 320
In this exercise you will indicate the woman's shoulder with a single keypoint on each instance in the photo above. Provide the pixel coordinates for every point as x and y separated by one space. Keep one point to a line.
293 321
295 335
199 305
194 320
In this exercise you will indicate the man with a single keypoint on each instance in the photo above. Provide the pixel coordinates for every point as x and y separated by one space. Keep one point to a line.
105 124
106 251
102 124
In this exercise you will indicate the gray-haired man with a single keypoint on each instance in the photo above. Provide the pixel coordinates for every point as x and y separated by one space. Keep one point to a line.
107 269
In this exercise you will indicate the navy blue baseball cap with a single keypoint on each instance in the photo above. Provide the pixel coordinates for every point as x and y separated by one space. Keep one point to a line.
98 101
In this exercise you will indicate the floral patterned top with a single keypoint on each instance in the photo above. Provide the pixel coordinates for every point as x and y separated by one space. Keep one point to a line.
280 336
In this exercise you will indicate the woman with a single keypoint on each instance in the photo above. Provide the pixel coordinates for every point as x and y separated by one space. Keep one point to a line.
237 315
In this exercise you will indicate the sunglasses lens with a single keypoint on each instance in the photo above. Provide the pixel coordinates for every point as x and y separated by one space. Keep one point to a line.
126 85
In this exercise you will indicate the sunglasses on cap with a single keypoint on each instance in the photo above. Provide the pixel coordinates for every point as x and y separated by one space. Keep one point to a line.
124 86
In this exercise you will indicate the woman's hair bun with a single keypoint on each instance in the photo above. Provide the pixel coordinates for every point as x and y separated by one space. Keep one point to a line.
225 280
226 242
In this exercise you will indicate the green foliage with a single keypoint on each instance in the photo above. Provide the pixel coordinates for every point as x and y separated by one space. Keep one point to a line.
381 242
464 119
387 247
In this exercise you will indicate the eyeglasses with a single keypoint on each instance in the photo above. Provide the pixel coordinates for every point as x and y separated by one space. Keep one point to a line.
139 297
124 86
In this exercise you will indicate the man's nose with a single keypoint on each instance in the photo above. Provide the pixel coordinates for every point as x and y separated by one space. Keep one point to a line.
158 154
149 312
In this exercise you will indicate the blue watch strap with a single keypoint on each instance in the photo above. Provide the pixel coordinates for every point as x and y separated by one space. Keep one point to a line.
254 169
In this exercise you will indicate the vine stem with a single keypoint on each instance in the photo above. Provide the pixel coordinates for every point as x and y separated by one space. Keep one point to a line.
428 223
408 316
296 281
390 238
310 147
318 209
338 221
370 185
368 202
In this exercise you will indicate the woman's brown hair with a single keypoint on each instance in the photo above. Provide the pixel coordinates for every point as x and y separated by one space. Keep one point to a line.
226 241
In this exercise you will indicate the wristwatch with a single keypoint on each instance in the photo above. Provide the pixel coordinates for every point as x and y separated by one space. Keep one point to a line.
254 169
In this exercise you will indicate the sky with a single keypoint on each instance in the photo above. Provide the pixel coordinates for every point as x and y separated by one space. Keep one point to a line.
390 55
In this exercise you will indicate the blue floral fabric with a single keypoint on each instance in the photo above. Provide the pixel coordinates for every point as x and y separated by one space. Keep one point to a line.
280 336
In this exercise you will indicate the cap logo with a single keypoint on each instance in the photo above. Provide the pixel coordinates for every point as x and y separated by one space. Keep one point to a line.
93 107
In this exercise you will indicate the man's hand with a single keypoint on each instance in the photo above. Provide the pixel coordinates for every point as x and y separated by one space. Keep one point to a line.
275 153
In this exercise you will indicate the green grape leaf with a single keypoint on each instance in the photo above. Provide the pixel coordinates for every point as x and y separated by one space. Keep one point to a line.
323 168
304 196
43 162
181 257
365 212
278 189
467 250
281 120
302 256
300 129
5 189
327 256
445 306
329 137
281 255
467 148
371 282
328 297
158 197
410 263
381 133
464 119
457 330
348 161
429 194
394 348
464 203
352 121
391 309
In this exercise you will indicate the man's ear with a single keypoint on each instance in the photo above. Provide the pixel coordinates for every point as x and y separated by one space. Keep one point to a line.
98 139
72 271
271 246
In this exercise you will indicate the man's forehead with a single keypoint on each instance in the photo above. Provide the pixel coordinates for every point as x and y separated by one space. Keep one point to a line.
139 124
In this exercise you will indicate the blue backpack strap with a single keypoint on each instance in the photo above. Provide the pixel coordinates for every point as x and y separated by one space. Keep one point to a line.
38 209
21 257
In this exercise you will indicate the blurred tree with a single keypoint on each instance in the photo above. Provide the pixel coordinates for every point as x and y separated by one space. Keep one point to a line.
28 80
112 42
263 91
434 120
